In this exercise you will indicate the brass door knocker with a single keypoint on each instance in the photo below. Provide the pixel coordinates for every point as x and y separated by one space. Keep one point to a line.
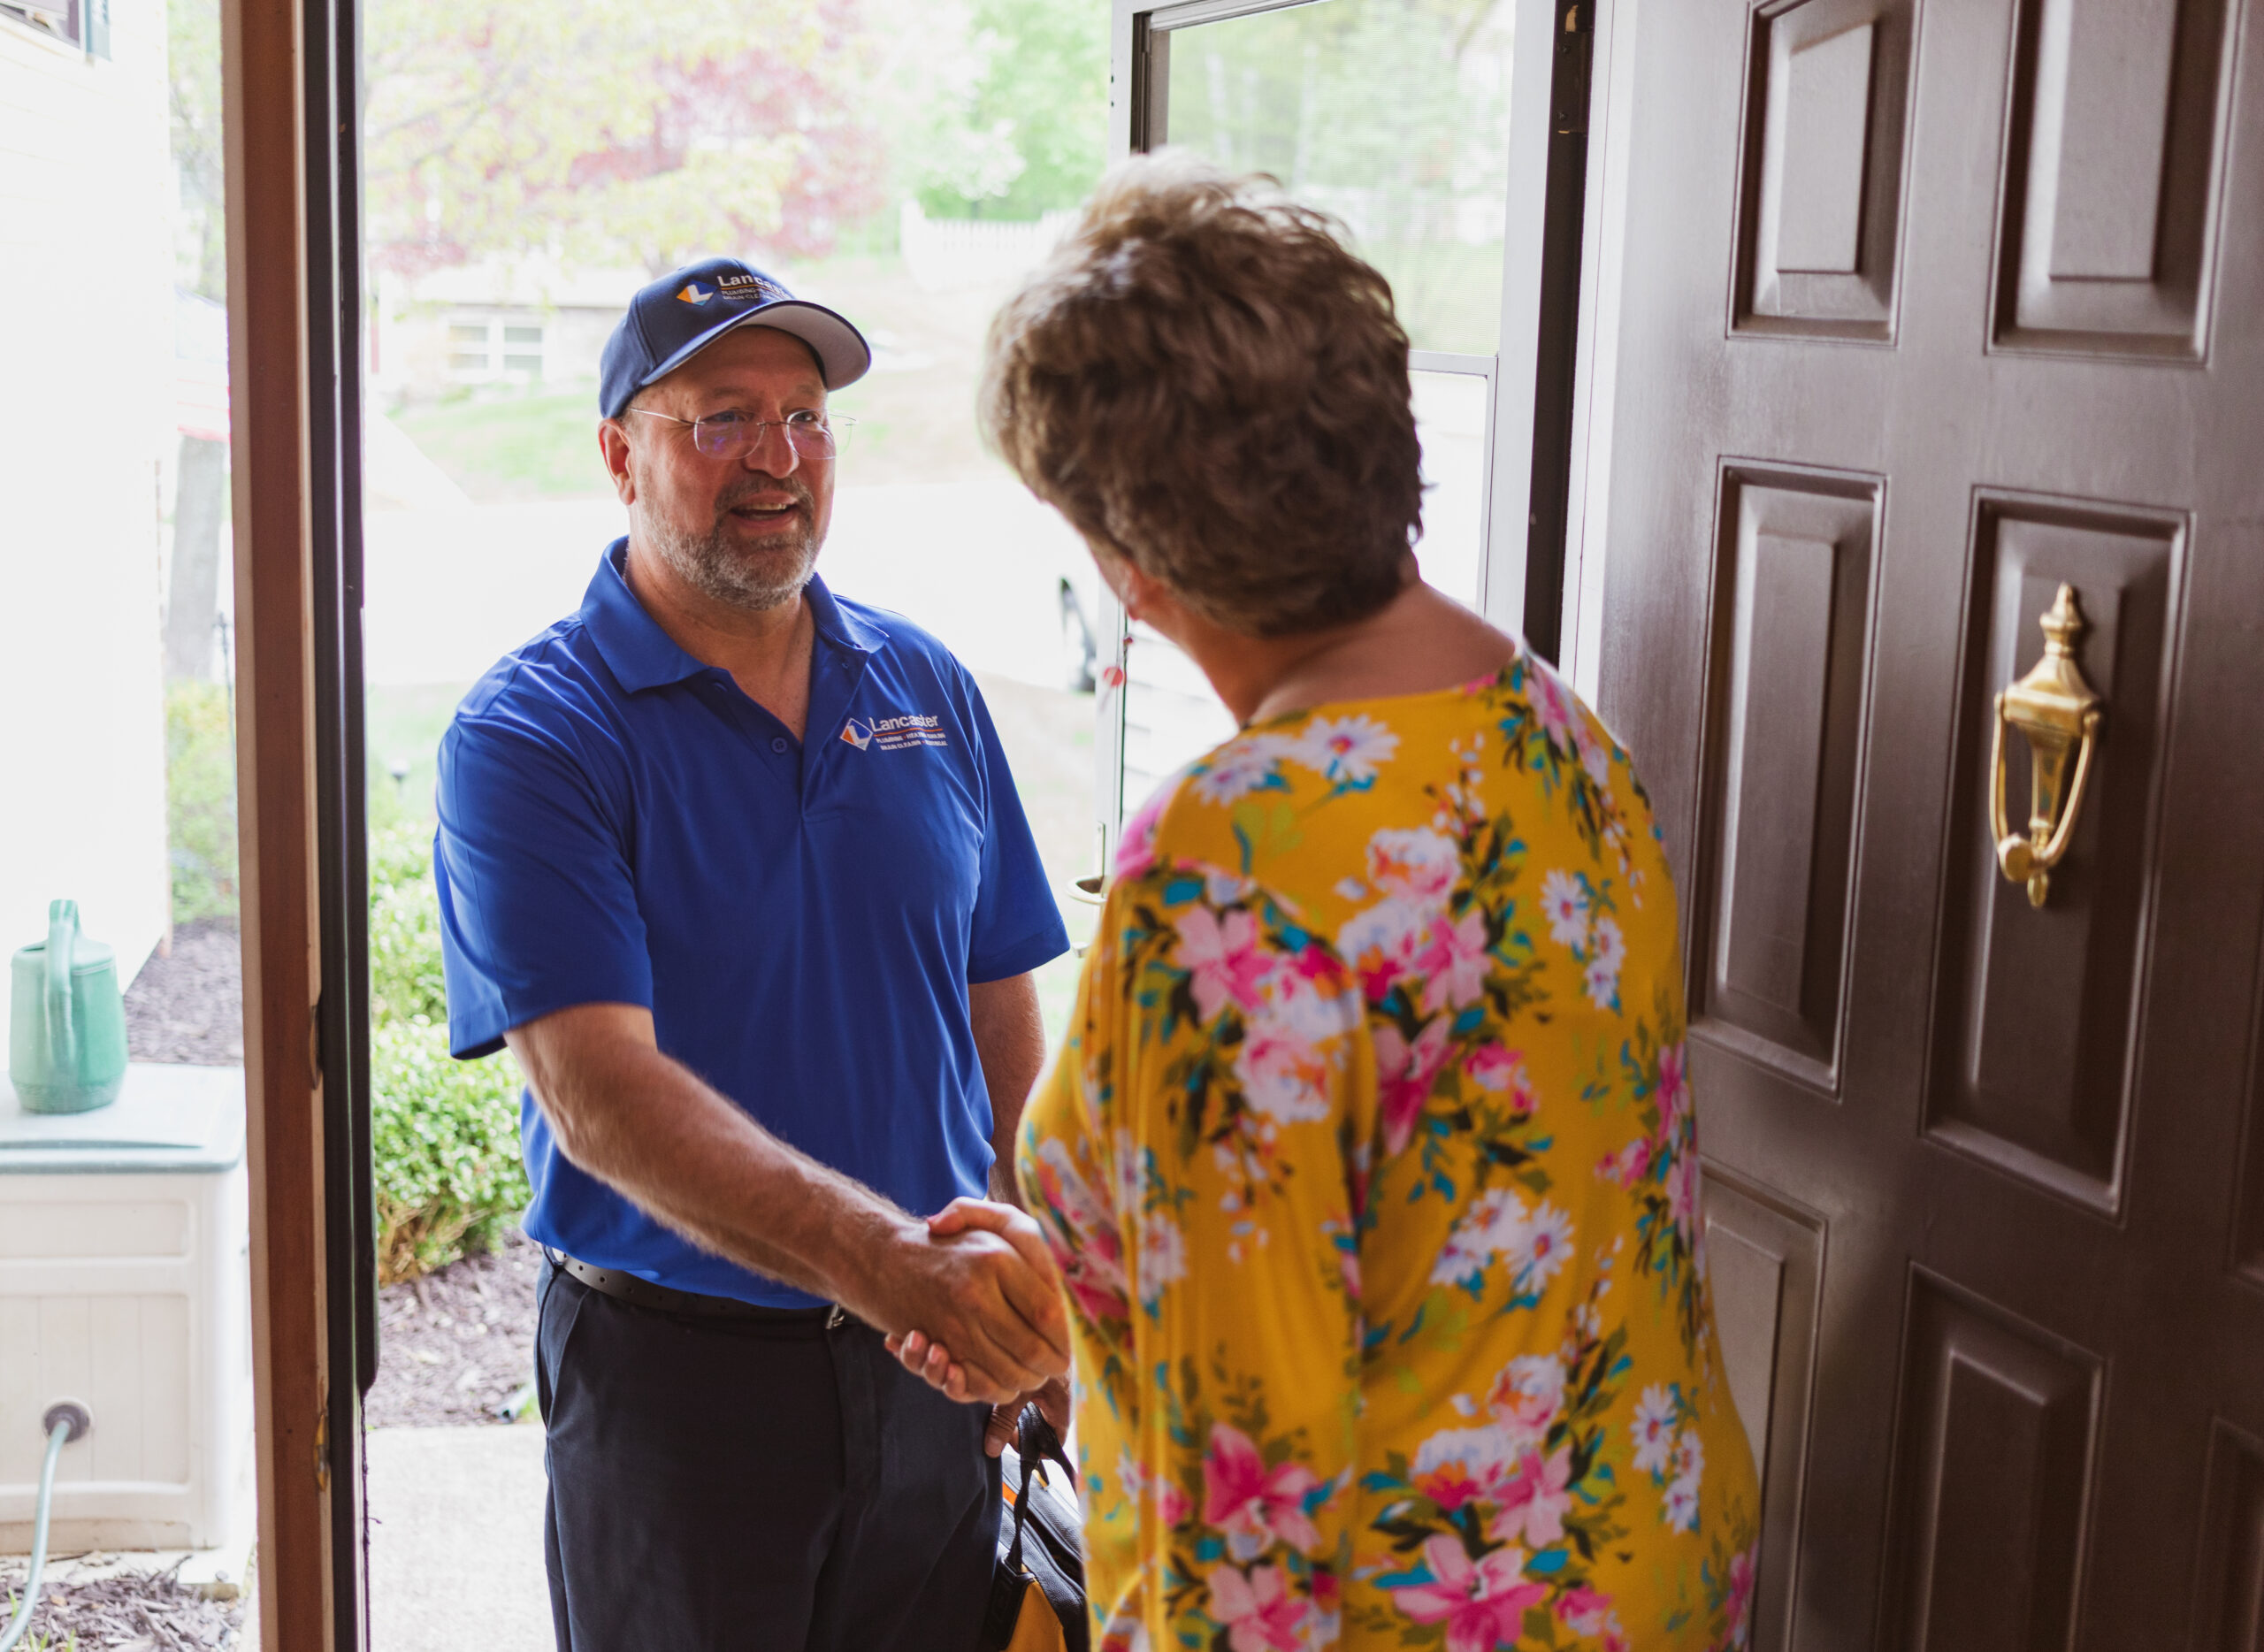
2056 709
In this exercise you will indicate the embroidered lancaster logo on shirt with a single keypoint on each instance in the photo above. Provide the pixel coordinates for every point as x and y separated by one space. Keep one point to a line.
894 734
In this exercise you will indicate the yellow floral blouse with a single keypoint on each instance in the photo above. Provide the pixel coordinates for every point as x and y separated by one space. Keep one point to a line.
1371 1167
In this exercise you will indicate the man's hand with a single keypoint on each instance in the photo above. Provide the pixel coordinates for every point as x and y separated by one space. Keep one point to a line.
928 1352
983 1285
652 1130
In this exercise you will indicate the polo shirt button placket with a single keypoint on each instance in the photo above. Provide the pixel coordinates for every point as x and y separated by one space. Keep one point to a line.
778 744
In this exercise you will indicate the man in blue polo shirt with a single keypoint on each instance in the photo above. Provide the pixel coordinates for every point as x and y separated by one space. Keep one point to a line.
737 869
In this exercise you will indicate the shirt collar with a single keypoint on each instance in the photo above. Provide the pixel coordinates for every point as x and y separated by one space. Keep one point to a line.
641 655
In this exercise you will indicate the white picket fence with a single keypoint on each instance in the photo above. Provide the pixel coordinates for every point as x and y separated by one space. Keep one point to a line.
953 255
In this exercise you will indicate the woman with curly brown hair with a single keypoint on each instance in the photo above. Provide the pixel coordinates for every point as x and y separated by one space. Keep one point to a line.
1370 1162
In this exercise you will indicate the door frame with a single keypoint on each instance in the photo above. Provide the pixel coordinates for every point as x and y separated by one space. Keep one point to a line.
291 108
1537 408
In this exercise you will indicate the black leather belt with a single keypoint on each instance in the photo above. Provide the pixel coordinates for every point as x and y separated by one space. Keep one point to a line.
642 1293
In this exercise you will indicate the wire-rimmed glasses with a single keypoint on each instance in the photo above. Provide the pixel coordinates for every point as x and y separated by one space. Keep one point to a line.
728 434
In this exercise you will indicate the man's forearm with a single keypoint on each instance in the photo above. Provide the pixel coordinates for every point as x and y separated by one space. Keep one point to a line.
1010 1038
701 1166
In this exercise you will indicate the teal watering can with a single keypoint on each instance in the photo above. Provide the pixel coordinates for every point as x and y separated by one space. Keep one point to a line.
66 1024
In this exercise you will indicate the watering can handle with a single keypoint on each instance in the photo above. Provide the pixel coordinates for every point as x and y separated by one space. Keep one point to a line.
62 942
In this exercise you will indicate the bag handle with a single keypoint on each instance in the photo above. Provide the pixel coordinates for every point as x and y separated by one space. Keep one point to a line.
1034 1443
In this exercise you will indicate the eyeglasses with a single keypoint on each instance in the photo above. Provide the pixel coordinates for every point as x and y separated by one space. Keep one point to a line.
728 435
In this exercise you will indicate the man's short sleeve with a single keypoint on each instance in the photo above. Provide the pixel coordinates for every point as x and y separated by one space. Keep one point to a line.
1017 926
537 908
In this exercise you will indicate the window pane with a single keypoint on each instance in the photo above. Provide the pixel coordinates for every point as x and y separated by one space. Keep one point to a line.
1391 114
523 364
468 332
468 361
523 335
1450 418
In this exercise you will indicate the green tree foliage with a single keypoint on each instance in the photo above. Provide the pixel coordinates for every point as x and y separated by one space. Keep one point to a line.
1025 129
444 1133
1392 114
201 800
192 66
596 133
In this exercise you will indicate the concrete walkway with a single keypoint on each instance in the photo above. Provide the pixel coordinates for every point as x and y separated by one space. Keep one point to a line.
456 1541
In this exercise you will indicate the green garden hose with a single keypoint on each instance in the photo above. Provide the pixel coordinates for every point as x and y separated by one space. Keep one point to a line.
65 1421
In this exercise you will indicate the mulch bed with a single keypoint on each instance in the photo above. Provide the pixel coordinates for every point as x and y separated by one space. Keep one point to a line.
188 1009
131 1612
456 1343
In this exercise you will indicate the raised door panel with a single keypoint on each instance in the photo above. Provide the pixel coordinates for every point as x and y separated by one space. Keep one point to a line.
2113 158
2229 1598
1764 1263
1993 1462
2036 1016
1827 95
1792 597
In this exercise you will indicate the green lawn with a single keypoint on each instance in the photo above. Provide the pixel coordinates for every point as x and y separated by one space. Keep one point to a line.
404 724
542 446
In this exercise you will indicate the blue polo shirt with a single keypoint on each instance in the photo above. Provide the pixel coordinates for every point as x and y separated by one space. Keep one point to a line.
620 824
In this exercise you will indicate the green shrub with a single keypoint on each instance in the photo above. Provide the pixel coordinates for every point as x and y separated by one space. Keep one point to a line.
444 1133
201 800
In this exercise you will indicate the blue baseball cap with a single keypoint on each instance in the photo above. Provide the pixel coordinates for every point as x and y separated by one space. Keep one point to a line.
680 315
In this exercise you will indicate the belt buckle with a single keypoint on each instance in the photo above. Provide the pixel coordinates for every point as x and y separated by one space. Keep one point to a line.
836 1319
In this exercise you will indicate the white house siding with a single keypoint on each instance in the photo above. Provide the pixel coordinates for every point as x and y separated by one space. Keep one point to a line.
86 413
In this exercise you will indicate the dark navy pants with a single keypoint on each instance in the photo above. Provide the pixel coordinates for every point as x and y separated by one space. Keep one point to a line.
736 1484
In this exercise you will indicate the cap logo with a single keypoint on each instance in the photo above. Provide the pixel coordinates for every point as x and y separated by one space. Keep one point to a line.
695 294
747 285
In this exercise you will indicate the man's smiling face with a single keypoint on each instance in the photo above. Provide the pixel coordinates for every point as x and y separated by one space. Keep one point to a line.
743 528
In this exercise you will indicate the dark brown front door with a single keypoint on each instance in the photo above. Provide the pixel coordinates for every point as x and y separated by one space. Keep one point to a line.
1931 307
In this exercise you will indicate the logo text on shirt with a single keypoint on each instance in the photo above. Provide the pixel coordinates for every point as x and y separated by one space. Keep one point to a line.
894 734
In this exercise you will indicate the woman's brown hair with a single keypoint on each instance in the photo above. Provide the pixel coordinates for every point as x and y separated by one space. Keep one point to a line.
1209 385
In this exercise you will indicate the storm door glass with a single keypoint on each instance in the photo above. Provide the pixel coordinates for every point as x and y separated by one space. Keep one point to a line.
1393 117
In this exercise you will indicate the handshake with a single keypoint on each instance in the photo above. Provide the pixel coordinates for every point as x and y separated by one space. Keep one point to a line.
973 1304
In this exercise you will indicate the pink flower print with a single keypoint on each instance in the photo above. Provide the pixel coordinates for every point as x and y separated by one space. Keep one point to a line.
1528 1396
1558 711
1449 1485
1738 1607
1135 851
1492 1068
1683 1192
1223 958
1173 1505
1583 1610
1252 1505
1596 756
1627 1166
1379 943
1674 1087
1406 1073
1419 865
1482 1603
1257 1609
1532 1507
1453 963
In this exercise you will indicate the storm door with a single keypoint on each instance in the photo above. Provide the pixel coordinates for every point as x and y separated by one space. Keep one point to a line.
1941 374
1421 128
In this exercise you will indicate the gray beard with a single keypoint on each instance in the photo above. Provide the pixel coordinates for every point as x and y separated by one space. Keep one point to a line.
709 564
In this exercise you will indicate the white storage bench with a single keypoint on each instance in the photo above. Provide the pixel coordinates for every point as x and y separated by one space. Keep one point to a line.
123 1283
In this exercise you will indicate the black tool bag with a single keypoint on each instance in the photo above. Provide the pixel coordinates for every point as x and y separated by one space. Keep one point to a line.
1038 1593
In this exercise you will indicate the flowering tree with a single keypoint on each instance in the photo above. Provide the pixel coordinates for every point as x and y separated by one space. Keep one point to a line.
600 135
